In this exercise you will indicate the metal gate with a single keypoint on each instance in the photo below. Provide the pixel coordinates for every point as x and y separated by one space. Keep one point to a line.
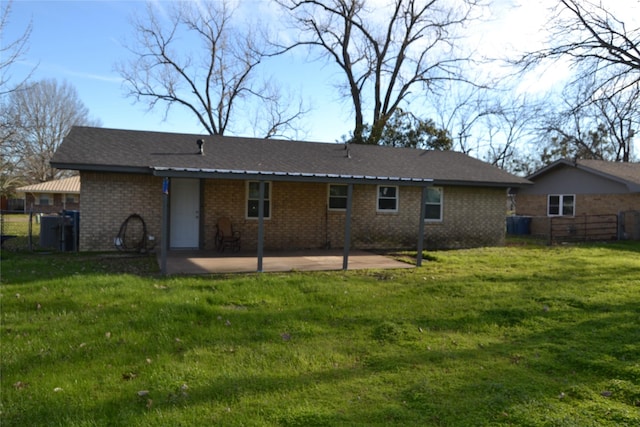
583 228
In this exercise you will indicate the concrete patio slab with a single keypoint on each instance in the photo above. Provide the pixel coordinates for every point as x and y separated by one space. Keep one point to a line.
198 262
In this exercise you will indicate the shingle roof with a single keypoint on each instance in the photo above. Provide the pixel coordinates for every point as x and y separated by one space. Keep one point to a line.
88 148
66 185
624 172
629 172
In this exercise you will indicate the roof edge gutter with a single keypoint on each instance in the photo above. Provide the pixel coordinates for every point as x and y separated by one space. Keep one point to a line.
101 168
286 176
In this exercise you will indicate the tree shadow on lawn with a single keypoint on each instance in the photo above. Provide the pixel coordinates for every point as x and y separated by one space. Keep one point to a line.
19 268
558 364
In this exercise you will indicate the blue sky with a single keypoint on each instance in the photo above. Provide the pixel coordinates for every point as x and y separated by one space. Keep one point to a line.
81 42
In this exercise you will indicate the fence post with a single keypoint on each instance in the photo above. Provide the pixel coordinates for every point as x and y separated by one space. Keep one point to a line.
30 233
620 225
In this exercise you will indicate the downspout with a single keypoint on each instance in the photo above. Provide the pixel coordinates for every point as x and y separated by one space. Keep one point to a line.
164 233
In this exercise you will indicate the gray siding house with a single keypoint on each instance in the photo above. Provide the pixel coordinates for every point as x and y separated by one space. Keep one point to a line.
582 188
282 194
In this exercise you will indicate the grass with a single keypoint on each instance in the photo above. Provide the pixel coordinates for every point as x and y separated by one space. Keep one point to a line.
527 336
17 225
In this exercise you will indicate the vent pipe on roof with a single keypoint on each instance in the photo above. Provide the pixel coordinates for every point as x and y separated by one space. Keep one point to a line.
200 143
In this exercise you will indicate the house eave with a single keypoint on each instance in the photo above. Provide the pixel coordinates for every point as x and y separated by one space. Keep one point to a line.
286 176
102 168
493 184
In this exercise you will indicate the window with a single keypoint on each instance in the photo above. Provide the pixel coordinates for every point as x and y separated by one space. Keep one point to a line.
561 205
44 199
387 198
337 197
433 205
71 198
253 199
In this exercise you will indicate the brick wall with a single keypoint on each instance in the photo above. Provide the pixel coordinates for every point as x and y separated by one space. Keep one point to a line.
300 218
107 201
472 217
586 204
535 205
299 215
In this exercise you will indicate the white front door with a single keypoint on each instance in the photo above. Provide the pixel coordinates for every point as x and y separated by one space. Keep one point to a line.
185 213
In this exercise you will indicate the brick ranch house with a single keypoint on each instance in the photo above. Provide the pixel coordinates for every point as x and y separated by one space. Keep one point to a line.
51 196
314 195
568 188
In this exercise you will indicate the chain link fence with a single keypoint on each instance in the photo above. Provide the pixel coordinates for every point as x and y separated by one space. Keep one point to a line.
19 231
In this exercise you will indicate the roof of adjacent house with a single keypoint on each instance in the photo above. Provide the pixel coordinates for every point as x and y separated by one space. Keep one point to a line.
626 173
173 154
59 186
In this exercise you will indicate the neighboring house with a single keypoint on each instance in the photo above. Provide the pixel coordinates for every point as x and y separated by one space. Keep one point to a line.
51 196
584 188
314 195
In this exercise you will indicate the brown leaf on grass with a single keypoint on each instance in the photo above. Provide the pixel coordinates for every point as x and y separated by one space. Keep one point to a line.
20 385
129 376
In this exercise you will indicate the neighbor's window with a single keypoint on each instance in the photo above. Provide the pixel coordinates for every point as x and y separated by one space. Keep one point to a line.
337 197
387 198
561 205
433 205
71 198
45 199
253 199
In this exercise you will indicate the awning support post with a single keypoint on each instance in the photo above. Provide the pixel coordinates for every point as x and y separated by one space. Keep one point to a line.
347 228
164 233
260 225
423 210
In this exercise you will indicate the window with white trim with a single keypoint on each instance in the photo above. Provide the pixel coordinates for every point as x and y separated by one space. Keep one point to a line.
253 199
44 199
561 205
387 198
433 205
337 197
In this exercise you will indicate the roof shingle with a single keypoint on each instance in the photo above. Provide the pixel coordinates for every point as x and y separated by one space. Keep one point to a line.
88 148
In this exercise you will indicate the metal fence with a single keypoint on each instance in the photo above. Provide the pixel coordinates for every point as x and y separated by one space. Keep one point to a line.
19 231
629 223
583 228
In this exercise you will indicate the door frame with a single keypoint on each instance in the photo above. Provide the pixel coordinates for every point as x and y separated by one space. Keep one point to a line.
197 192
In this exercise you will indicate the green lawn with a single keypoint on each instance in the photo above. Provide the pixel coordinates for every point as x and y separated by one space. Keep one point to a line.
527 336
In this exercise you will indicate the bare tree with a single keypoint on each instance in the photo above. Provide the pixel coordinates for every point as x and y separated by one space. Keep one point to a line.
595 41
10 51
216 81
601 129
41 115
619 113
385 55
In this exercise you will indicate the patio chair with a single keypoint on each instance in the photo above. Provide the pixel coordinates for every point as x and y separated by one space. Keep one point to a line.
226 237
